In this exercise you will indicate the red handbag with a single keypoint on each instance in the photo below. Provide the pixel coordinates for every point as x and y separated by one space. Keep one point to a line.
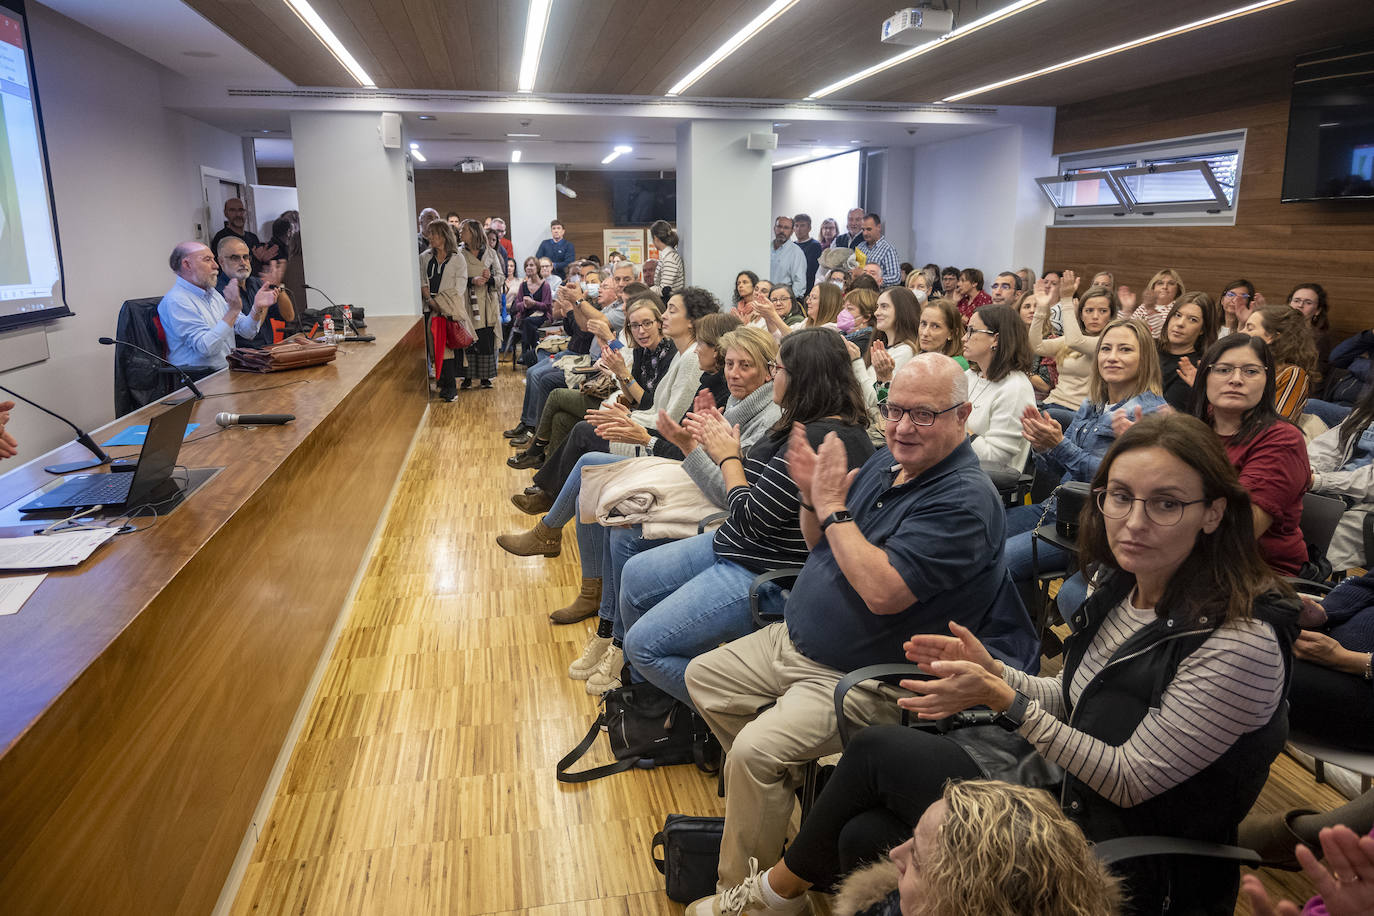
458 337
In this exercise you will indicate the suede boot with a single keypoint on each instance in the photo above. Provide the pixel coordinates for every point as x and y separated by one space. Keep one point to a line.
1272 836
586 604
533 503
541 539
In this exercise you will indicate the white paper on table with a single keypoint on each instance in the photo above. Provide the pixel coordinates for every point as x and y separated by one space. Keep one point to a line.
52 551
14 592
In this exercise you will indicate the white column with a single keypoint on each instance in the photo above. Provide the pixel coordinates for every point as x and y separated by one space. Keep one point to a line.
533 203
357 213
896 170
724 198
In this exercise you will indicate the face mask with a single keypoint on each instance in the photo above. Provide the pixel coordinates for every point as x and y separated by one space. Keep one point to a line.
591 289
837 283
845 321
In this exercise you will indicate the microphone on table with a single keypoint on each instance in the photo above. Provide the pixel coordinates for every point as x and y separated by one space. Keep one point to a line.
81 436
253 419
190 384
361 338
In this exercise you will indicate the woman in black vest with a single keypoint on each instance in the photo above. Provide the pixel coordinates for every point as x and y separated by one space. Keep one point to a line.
1165 718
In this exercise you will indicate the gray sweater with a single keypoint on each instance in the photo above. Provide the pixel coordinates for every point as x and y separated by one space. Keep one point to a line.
755 413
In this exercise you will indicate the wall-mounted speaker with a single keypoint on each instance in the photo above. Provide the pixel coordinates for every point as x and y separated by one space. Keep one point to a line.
762 141
389 129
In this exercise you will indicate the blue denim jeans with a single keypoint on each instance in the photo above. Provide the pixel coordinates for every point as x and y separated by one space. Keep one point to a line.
564 510
540 379
679 601
1021 521
1329 413
618 546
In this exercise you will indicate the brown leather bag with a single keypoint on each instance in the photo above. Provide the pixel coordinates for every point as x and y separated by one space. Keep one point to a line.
296 352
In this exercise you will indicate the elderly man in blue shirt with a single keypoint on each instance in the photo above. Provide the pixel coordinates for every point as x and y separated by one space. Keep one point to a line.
903 545
199 322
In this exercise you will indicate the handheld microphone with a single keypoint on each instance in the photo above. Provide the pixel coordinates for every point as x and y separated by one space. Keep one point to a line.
254 419
190 385
361 338
81 436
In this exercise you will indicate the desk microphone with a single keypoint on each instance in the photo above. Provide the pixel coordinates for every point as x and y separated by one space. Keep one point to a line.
81 436
361 338
190 385
254 419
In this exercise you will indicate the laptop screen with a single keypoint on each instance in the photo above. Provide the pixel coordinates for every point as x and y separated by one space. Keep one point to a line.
161 447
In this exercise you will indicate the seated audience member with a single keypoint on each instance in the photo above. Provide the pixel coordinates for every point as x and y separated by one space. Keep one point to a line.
546 374
1073 352
1342 460
1188 331
787 307
1028 278
917 282
1004 288
1345 889
485 267
443 291
234 265
902 330
1238 299
1044 374
687 597
999 390
949 284
983 846
1163 288
969 292
911 543
1123 384
1310 299
855 320
1352 370
1289 337
636 379
745 295
549 277
199 322
941 330
1234 394
1104 278
533 302
1332 697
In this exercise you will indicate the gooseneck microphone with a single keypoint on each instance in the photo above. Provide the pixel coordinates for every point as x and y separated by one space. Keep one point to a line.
360 338
254 419
191 385
81 436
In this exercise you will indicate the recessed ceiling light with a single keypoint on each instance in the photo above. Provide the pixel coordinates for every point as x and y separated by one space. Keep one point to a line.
1236 13
616 153
624 149
522 135
515 155
315 24
536 24
980 23
426 117
733 44
199 54
416 154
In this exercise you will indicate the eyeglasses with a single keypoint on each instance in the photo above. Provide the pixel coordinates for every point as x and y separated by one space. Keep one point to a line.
775 367
968 331
642 325
237 257
1249 373
1162 510
1235 295
921 416
1296 301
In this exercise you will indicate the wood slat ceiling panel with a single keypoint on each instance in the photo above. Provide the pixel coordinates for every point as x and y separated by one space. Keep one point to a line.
270 30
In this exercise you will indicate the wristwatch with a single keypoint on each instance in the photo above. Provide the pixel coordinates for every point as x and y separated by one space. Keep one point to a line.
843 515
1012 717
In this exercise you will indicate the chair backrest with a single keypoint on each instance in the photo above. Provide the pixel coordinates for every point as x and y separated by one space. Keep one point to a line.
139 379
1320 516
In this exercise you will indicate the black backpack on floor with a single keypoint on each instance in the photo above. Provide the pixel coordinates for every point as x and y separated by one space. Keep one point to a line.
647 728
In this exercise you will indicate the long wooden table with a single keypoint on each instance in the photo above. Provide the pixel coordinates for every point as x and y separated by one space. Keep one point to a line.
145 696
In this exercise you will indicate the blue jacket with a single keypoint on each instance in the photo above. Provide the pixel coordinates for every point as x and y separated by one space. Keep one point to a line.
560 253
1089 436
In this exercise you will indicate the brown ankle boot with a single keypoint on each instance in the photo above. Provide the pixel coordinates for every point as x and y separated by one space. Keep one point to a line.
541 539
533 503
586 604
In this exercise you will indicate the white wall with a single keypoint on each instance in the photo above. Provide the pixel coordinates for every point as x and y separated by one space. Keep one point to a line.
533 203
126 177
826 188
357 212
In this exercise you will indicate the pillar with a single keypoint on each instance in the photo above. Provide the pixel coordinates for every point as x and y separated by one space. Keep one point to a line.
533 203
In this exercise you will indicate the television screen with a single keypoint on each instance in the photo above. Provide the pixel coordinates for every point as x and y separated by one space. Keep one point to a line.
640 201
30 265
1331 126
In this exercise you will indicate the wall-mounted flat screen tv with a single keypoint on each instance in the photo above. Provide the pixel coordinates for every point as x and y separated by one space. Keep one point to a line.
640 201
1331 126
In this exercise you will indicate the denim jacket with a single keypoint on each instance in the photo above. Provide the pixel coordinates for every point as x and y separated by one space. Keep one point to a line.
1088 437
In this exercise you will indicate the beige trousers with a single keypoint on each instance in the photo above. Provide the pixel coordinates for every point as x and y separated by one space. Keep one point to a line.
773 710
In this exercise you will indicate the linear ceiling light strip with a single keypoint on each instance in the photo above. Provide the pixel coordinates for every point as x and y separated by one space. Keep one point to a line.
976 25
326 36
733 44
1217 19
536 24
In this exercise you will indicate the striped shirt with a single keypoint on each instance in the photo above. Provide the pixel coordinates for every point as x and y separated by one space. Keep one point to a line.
1291 388
1228 687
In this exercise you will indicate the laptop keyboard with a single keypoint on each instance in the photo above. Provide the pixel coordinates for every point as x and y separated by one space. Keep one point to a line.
95 490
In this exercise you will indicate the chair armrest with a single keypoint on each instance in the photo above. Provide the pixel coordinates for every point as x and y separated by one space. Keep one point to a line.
1109 852
773 575
892 671
711 519
1307 586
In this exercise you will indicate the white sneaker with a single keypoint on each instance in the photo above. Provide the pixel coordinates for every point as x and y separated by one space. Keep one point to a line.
607 673
586 663
747 900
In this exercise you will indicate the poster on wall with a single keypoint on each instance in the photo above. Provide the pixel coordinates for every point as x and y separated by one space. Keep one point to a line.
629 242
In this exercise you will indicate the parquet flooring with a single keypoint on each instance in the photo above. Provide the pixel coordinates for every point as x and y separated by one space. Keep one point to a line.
423 780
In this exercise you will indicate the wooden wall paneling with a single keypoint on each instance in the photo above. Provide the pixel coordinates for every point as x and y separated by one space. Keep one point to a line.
279 177
1273 244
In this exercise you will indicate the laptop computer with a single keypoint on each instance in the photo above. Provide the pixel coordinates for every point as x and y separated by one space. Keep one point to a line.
150 482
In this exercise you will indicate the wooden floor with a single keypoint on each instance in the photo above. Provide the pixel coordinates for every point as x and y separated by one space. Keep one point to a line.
423 780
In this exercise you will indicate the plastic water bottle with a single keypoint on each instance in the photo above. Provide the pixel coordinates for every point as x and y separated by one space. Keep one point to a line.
347 320
328 335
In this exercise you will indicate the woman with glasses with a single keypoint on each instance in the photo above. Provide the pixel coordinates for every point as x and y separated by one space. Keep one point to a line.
781 311
999 389
1237 300
1289 337
1235 396
686 597
1163 720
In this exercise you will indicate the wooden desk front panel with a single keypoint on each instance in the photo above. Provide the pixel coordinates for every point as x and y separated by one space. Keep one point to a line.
131 791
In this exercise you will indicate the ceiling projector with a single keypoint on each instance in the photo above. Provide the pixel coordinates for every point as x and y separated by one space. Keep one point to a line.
469 165
917 26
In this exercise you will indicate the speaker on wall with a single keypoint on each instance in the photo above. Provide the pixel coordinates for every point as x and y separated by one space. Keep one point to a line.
390 130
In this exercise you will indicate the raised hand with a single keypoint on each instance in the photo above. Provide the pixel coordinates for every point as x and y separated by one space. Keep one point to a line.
883 364
958 685
924 649
1041 430
675 433
831 477
9 447
719 438
272 272
601 328
1187 371
266 298
1122 421
231 292
801 461
1044 294
704 401
1128 299
1068 284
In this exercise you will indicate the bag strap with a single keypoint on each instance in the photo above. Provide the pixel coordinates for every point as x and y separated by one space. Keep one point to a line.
660 841
577 753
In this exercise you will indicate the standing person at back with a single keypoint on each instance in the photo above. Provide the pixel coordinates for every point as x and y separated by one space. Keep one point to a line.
854 230
672 273
557 249
236 224
786 262
878 250
801 230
